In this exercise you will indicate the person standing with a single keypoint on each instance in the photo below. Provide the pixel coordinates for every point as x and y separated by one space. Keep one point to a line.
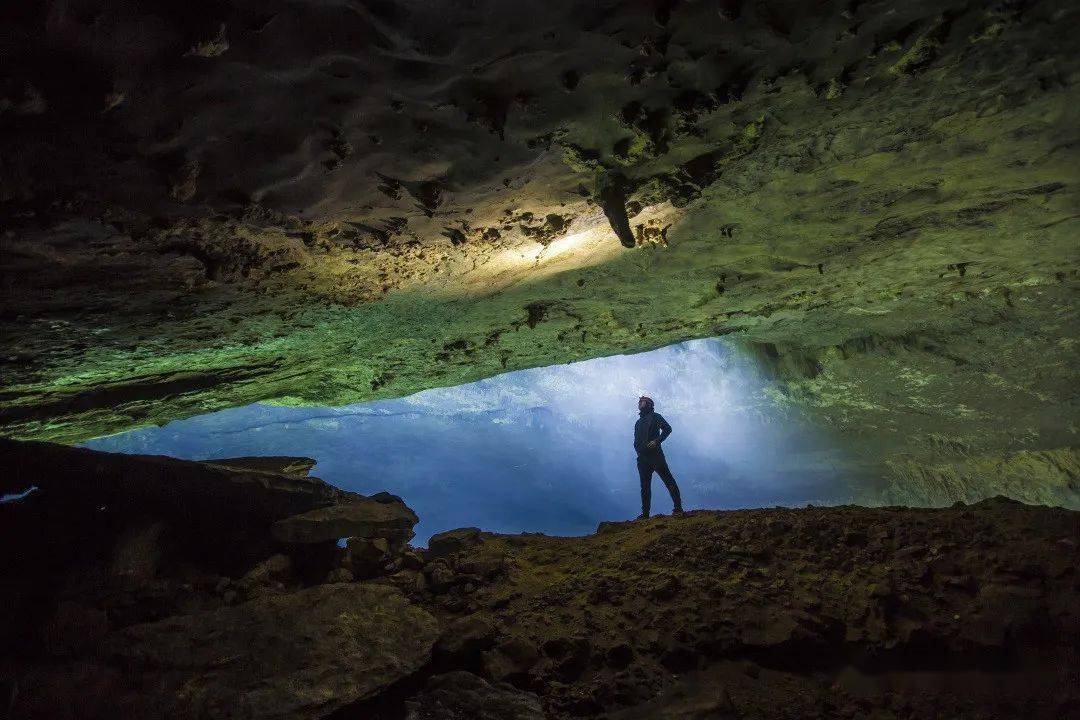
650 430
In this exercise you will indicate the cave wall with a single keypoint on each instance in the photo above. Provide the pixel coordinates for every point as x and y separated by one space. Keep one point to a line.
322 204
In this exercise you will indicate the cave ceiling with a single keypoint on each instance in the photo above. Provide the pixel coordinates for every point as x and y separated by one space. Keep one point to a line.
213 203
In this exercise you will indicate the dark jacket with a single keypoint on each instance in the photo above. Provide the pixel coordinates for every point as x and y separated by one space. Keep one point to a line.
650 426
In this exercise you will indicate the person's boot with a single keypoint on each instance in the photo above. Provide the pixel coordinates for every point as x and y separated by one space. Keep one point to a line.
677 511
642 516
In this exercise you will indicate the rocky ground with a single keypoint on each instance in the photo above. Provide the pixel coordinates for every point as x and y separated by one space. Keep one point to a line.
150 587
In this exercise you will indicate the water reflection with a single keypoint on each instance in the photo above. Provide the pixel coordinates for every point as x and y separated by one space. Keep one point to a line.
547 449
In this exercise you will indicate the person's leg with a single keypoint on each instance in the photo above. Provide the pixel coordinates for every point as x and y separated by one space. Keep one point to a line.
669 480
645 471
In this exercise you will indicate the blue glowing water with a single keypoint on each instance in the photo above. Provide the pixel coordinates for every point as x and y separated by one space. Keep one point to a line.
541 450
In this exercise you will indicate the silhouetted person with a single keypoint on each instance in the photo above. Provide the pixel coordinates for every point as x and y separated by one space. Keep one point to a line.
650 430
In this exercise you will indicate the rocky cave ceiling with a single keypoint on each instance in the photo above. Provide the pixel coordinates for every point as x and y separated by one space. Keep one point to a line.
210 203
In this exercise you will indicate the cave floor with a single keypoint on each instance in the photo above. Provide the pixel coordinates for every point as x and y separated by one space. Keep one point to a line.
968 611
146 587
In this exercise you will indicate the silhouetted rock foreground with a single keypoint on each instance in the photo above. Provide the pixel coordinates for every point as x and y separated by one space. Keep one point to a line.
153 587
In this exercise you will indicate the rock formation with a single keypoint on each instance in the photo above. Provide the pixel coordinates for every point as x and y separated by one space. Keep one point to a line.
123 602
309 203
211 203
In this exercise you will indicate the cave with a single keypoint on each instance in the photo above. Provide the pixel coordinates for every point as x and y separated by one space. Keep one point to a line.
546 449
239 240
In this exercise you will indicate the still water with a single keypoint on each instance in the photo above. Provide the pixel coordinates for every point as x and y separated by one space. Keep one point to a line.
541 450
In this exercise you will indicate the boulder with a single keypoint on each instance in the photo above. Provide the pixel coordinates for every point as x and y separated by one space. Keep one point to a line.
340 575
483 568
366 558
511 661
300 655
767 629
164 487
74 628
362 517
452 541
463 642
441 577
137 552
612 526
569 656
115 507
463 696
385 497
275 569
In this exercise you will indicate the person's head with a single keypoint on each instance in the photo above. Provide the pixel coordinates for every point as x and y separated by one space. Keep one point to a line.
645 403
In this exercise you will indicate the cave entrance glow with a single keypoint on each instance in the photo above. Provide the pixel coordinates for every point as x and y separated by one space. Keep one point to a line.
545 450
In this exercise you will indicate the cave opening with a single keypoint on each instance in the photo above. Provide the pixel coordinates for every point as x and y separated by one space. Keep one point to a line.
838 242
545 449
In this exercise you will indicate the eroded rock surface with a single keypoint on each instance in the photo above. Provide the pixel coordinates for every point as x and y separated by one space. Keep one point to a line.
319 203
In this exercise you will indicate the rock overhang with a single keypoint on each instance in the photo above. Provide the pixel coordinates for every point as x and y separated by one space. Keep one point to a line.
326 204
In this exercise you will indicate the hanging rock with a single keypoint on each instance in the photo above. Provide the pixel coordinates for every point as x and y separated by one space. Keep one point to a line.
364 518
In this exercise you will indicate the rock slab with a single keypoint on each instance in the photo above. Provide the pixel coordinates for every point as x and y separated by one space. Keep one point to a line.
362 517
301 655
464 696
